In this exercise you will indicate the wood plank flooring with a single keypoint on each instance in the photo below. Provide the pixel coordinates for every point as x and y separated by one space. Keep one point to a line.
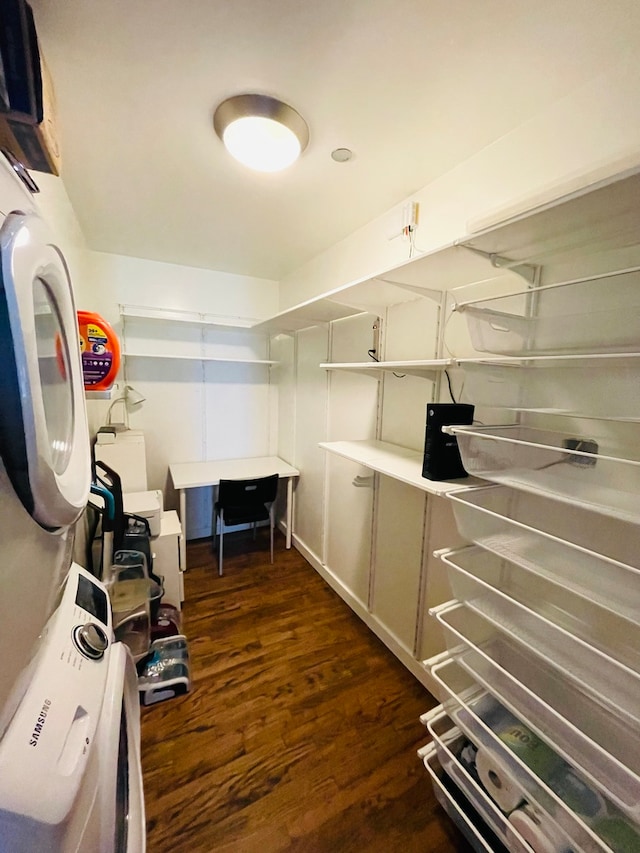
301 729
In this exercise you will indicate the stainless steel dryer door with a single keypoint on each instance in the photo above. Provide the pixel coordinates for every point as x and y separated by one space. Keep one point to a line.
44 440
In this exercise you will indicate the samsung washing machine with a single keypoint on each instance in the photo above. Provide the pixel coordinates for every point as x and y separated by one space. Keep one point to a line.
70 774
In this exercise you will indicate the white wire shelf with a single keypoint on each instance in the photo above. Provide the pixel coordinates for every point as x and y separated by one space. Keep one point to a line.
594 386
169 357
594 313
427 369
592 555
179 316
400 463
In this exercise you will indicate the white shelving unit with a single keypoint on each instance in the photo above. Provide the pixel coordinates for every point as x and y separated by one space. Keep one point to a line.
537 628
562 273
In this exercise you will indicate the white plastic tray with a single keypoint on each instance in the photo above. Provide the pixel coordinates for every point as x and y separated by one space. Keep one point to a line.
478 577
595 386
600 313
540 461
587 552
585 728
454 682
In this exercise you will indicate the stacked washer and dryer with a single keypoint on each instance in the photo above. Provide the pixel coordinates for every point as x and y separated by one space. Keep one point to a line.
70 773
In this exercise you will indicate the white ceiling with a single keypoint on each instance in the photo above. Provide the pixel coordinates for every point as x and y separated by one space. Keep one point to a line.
411 86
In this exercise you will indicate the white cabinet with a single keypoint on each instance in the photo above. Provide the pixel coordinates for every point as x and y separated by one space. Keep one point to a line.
166 558
386 523
397 559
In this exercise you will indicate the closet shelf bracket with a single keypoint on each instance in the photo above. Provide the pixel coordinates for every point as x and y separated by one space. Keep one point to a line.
529 272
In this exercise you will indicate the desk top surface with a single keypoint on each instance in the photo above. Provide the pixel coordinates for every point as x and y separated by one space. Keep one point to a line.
191 475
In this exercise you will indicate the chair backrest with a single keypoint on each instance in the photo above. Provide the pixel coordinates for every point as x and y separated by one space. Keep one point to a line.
238 493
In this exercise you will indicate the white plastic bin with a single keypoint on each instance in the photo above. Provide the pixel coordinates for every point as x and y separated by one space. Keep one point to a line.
448 740
460 812
477 576
546 463
587 552
586 716
467 714
596 314
595 386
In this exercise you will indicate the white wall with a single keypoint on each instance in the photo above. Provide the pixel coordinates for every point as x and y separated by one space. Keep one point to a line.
592 133
118 279
192 410
56 209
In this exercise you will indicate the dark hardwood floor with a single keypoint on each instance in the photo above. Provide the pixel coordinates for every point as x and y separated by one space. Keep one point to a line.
301 729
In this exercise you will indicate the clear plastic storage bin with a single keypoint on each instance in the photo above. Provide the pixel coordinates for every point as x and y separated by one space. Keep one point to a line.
453 802
595 314
469 705
585 712
448 740
477 577
593 386
587 552
552 464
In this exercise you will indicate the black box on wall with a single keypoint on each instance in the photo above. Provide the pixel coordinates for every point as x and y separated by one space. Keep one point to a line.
441 454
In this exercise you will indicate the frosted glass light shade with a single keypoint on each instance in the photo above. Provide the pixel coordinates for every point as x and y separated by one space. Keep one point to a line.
261 132
261 143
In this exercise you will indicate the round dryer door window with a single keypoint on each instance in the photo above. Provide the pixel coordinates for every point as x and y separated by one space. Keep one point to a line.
55 375
44 439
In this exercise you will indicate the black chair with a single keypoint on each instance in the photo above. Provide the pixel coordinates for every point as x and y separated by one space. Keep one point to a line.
244 502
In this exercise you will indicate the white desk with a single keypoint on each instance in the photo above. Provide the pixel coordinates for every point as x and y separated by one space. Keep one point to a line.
195 475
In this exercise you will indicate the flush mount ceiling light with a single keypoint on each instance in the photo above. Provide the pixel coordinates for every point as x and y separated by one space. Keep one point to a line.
261 132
